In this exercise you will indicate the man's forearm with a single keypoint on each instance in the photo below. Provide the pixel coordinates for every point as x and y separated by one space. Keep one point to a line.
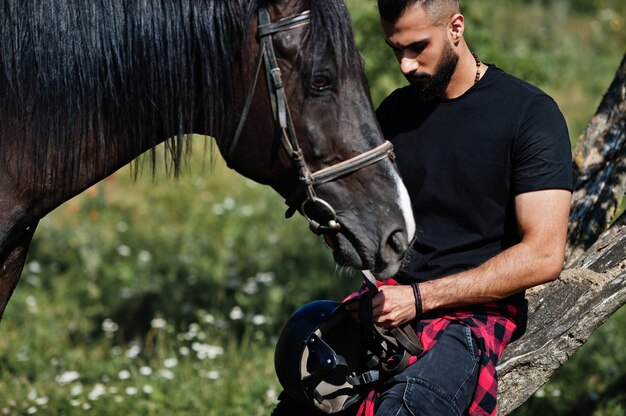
515 269
542 220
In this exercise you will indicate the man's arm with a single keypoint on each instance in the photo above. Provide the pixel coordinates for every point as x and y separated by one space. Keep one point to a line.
542 218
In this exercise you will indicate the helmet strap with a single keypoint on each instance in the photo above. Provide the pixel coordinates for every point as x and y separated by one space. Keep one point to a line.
396 344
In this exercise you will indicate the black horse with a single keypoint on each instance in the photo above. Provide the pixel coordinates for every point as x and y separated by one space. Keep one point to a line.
87 86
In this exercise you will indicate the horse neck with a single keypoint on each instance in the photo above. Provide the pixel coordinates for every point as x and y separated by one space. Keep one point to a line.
123 98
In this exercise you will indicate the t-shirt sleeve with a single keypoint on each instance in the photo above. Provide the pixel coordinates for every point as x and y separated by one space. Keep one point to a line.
542 156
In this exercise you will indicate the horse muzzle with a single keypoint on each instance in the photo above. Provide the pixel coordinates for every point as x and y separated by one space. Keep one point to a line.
384 258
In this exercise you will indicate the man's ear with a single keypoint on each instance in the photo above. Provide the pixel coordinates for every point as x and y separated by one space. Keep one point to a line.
456 28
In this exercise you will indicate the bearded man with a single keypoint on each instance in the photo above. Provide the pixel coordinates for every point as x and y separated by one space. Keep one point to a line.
486 159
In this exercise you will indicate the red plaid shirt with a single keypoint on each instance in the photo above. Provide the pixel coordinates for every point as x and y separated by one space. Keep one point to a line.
493 325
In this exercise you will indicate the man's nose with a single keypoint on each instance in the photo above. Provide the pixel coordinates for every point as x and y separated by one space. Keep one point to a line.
408 65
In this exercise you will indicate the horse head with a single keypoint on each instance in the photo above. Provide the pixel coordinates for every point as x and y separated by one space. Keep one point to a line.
306 127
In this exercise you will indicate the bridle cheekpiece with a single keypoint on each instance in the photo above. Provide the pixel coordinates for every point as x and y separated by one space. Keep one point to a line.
310 204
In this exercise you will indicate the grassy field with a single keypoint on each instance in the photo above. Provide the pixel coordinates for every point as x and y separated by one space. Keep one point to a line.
159 296
165 296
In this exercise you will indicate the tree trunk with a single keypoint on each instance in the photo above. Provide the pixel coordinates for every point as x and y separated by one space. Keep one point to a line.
563 314
600 170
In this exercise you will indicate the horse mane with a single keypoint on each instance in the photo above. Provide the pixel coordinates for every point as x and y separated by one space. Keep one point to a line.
129 70
330 35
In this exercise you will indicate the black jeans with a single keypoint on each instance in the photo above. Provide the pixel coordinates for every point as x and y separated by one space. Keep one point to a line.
440 383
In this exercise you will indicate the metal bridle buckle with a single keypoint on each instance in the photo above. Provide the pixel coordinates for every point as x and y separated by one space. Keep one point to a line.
314 207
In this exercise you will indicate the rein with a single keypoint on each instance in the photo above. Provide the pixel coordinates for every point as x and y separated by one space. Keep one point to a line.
401 343
311 205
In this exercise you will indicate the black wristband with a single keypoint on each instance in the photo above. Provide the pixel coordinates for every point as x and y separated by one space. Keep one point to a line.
418 299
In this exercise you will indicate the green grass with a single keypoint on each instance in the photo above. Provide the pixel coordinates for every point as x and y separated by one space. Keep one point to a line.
130 276
203 370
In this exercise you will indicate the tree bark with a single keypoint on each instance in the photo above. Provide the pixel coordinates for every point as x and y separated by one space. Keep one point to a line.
600 170
563 314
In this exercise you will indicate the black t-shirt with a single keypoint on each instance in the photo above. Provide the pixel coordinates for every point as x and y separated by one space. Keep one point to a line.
464 160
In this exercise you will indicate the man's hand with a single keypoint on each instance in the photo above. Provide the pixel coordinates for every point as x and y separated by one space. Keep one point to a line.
392 306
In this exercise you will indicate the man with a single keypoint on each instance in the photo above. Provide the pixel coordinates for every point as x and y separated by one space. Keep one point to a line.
486 159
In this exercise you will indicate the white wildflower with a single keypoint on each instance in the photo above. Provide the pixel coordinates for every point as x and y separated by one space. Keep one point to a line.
67 377
211 375
76 389
41 401
158 323
170 362
97 392
31 303
108 325
250 288
133 351
228 203
259 319
123 375
144 256
208 318
264 277
166 374
236 313
123 250
217 209
206 351
34 267
122 227
131 391
247 210
271 395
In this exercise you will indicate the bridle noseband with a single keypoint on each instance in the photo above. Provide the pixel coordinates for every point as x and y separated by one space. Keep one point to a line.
311 204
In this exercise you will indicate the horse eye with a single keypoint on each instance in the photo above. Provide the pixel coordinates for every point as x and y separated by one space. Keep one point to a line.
320 82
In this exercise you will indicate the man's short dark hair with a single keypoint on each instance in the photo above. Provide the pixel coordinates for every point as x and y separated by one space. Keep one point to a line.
436 10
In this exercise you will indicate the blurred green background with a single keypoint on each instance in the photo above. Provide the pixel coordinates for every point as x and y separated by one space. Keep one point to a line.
163 296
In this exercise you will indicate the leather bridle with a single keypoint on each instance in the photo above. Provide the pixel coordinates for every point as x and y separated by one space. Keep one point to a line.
311 204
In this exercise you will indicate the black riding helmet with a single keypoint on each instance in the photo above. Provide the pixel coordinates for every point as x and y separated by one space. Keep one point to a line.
321 359
325 358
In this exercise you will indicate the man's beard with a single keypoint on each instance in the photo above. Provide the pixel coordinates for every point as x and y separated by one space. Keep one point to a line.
431 87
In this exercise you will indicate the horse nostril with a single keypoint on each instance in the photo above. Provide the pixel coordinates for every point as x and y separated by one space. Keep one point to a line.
398 242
